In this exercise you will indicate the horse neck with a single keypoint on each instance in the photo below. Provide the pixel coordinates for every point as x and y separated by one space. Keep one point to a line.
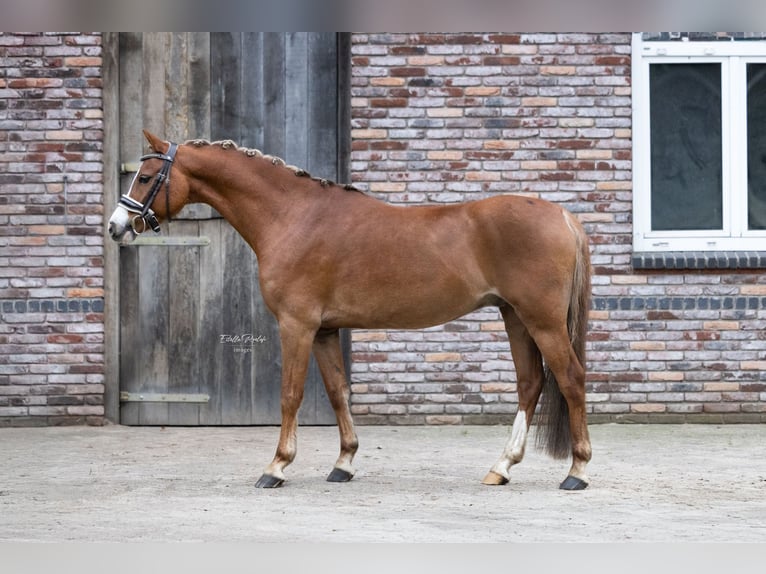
249 192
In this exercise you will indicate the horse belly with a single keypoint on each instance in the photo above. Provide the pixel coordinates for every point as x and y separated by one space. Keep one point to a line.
407 294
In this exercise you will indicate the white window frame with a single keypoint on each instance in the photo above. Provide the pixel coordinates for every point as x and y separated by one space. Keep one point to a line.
733 57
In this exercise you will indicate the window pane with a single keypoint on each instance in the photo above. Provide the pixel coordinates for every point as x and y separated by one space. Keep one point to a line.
685 123
756 145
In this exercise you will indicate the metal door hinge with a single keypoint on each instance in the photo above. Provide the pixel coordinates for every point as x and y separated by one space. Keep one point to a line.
129 167
126 397
165 240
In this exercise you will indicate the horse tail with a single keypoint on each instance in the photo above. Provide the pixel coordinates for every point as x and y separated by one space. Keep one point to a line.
553 434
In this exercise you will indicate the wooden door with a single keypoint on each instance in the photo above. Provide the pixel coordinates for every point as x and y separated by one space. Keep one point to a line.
197 344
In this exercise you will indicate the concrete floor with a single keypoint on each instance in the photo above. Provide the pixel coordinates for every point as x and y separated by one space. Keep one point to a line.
664 483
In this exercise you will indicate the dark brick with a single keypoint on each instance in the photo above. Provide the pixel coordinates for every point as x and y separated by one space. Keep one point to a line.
408 50
407 71
425 82
65 400
576 144
502 60
388 102
502 123
504 38
463 39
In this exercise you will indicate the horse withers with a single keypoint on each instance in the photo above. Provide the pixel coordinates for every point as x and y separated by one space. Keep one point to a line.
331 257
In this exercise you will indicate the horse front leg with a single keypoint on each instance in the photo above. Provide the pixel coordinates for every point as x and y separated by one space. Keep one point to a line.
327 351
296 342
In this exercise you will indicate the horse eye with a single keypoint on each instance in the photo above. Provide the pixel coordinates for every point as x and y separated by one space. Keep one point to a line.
144 178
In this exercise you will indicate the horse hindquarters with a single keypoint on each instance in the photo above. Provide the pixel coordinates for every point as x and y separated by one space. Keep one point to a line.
554 325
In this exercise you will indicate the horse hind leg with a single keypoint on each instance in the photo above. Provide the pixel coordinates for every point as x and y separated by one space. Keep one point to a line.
569 383
529 375
327 351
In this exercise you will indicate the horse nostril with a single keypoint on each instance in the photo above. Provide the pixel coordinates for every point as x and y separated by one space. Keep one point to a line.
113 231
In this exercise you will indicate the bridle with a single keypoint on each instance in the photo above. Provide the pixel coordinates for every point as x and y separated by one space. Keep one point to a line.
143 211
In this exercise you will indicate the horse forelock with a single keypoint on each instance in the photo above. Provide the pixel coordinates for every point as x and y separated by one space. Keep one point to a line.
253 152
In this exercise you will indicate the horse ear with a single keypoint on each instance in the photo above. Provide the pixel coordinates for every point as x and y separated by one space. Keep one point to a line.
155 143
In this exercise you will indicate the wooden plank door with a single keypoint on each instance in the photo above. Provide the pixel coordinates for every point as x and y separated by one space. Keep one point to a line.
193 326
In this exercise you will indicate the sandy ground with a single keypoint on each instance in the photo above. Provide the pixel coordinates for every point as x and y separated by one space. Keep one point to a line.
695 483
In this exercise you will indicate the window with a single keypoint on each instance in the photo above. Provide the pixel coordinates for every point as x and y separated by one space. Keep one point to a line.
699 128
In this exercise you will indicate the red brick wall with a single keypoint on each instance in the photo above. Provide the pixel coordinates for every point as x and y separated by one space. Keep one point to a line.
51 232
450 117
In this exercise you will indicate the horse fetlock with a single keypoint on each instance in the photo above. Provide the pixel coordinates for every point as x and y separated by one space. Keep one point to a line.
344 462
582 452
350 447
577 471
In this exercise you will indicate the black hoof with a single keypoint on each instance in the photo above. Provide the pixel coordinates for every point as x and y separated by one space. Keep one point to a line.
338 475
573 483
268 481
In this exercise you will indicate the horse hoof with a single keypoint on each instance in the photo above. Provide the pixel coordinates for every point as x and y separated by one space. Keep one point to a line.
339 475
494 479
268 481
573 483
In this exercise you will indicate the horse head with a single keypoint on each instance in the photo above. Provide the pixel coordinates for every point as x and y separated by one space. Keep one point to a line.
158 191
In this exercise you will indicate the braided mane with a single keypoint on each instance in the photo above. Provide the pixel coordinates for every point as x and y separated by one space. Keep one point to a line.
252 152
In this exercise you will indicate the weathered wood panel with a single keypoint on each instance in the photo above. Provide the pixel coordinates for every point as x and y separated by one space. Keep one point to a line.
295 93
183 328
131 89
211 322
238 286
153 322
252 78
226 101
322 139
264 90
273 65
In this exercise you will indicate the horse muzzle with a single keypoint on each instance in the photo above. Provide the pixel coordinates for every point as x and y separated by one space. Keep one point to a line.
133 218
121 225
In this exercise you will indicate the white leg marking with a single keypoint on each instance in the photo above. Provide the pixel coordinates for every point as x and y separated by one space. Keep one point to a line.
277 466
578 471
514 448
344 463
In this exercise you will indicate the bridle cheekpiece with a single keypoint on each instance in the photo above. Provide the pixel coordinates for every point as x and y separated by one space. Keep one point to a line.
144 211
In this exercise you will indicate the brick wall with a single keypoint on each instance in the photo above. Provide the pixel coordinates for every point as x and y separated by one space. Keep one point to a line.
438 118
435 118
51 232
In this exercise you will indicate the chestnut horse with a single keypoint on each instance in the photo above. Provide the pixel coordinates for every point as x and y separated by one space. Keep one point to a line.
331 257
